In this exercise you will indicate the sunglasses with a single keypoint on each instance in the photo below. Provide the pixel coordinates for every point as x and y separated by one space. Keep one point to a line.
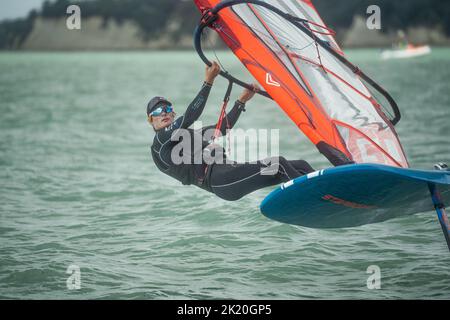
160 110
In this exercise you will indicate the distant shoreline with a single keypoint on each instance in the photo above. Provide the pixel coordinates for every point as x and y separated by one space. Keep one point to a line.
181 50
52 35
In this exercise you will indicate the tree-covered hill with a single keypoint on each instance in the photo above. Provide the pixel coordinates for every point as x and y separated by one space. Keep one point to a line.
155 16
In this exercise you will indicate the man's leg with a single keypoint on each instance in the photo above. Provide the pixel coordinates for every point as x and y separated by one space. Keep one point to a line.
288 169
302 166
233 181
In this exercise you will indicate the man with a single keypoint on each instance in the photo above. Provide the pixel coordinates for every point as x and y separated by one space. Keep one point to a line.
229 181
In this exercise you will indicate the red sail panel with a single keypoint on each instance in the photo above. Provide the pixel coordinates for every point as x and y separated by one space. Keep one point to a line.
323 97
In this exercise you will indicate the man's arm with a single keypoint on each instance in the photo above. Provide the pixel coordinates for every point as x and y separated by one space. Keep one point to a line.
192 113
197 106
195 109
232 116
227 123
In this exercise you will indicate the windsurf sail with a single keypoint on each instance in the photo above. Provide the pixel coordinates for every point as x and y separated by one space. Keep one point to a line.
287 47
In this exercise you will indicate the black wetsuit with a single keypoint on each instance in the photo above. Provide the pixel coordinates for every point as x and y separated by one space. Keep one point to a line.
229 181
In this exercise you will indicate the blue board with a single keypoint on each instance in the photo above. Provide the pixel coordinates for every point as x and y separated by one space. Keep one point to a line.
355 195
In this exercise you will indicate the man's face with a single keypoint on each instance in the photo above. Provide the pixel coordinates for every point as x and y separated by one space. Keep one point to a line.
162 120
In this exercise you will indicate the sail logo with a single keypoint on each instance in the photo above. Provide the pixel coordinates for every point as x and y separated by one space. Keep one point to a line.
271 82
370 145
345 203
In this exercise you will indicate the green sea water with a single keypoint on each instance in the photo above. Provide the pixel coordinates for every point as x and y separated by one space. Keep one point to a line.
78 187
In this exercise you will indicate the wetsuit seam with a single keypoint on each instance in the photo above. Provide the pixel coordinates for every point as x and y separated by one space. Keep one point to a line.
159 152
238 181
231 183
157 138
285 172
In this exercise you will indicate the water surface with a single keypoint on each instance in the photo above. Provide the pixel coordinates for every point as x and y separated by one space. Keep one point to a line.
78 186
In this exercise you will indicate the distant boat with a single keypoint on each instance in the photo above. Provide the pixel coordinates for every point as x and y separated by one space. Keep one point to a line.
410 51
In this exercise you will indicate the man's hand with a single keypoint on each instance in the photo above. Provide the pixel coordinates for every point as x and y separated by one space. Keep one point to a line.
248 94
212 72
